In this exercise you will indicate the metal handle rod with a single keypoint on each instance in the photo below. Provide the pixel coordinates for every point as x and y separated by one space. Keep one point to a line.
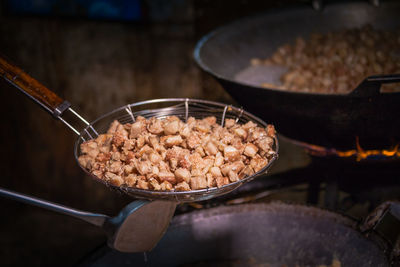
371 85
39 93
93 218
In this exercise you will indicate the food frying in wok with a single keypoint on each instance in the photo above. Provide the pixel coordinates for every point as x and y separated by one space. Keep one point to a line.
336 62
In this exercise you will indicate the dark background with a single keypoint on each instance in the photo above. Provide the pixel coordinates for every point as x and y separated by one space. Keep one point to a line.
98 65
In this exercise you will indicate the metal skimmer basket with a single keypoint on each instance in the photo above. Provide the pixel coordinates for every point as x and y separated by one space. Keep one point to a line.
160 108
183 108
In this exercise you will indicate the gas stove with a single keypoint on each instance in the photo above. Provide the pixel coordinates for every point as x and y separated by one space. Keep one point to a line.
353 184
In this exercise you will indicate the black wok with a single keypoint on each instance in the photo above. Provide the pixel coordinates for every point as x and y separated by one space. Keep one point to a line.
256 235
328 120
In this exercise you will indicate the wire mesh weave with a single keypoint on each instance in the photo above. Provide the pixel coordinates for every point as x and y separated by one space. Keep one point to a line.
182 108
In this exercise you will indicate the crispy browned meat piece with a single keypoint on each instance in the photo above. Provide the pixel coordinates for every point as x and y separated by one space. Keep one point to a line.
169 154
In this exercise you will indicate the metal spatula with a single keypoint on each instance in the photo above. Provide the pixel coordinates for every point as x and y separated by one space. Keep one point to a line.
137 228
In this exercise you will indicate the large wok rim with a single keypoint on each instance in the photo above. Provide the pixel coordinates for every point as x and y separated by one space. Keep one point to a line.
272 207
179 195
230 25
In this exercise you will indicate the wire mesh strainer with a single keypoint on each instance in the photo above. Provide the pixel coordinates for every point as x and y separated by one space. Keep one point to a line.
160 108
182 108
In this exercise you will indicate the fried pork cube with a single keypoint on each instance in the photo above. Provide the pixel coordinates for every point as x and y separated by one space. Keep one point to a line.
219 159
145 150
221 181
184 161
116 156
193 140
171 127
200 151
142 183
86 161
166 186
198 182
155 171
216 132
249 125
98 173
154 184
210 180
181 155
154 158
208 163
172 140
167 176
154 126
103 157
211 148
196 172
114 179
255 134
140 141
104 142
173 164
182 186
271 130
128 169
191 121
113 127
240 132
98 166
226 137
137 128
182 174
215 172
202 127
247 171
120 136
265 143
231 153
129 145
143 167
229 123
154 141
131 180
114 167
121 130
250 150
130 157
257 163
233 176
211 120
238 144
127 126
90 148
197 161
185 131
236 167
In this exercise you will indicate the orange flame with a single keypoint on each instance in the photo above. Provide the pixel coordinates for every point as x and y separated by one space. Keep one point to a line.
359 153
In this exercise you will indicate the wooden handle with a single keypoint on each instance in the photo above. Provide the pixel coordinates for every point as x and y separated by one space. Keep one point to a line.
31 87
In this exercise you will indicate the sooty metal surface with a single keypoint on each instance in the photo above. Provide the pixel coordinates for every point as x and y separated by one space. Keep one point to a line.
254 234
